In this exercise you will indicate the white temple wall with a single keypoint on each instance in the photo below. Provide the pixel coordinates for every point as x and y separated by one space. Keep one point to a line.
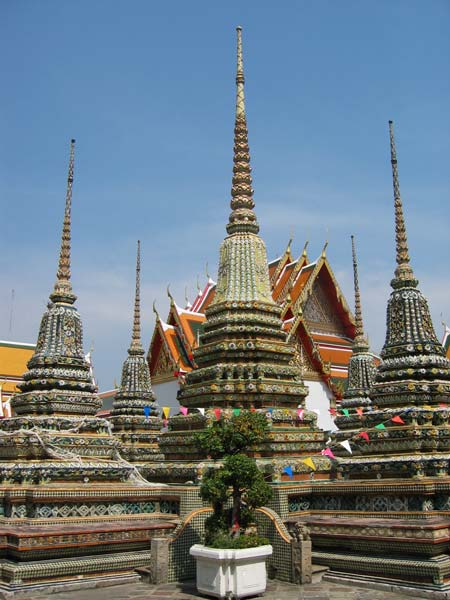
318 398
166 395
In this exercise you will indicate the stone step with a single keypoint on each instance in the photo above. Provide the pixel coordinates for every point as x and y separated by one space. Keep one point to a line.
317 572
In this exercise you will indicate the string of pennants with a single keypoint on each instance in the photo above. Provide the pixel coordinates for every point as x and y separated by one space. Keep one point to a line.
397 419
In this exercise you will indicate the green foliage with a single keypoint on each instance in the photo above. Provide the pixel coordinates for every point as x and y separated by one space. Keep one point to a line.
231 436
238 480
237 543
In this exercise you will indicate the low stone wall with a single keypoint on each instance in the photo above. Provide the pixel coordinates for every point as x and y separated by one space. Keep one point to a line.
290 561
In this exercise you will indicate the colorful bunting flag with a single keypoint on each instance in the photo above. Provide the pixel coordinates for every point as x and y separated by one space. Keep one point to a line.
236 412
165 422
166 411
270 410
300 413
147 411
289 471
201 411
346 444
184 410
380 426
364 435
217 412
345 411
328 452
397 419
359 411
309 463
332 412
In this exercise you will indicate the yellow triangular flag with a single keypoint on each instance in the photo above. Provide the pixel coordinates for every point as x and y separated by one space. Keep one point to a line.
309 463
166 411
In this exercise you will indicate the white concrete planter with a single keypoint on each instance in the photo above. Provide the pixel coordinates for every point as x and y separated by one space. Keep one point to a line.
231 573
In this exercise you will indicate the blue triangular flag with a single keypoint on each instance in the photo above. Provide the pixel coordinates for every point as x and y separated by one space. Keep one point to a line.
289 471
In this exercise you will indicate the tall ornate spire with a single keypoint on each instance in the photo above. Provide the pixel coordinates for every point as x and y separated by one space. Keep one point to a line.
361 368
243 336
135 392
242 217
58 379
62 291
413 370
136 344
359 328
403 273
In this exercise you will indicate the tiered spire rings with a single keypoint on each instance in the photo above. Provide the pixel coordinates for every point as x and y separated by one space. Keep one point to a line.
403 273
242 217
63 288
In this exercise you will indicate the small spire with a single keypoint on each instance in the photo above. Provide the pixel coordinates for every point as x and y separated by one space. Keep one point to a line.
62 291
242 217
305 248
155 310
324 249
403 272
136 344
172 301
359 328
289 244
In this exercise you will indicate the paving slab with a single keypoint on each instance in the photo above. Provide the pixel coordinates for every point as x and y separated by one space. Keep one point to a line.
276 590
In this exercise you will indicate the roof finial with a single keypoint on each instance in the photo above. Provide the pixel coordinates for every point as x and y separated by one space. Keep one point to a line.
136 335
169 294
403 272
324 249
242 217
62 291
155 310
359 328
305 248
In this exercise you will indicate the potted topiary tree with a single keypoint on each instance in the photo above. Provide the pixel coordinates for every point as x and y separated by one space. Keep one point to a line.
232 560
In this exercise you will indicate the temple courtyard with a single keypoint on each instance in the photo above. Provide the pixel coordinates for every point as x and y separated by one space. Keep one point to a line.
276 590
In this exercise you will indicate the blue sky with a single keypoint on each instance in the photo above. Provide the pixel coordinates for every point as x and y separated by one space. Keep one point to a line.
147 89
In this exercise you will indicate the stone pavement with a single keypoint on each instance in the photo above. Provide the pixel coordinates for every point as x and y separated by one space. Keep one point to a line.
276 590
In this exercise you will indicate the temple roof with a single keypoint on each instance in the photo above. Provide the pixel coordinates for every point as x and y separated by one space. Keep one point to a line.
13 360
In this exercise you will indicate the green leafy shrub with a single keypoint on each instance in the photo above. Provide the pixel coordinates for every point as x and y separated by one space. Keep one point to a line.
237 480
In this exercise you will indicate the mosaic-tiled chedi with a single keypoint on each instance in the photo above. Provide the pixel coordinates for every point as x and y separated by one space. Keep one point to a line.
243 360
70 505
136 415
55 409
361 370
412 383
392 496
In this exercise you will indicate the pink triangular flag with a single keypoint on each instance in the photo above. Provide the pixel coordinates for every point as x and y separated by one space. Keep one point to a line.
184 410
300 413
364 435
328 452
359 411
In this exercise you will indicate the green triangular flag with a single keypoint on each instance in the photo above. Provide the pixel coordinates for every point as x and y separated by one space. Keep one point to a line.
380 426
236 411
345 411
